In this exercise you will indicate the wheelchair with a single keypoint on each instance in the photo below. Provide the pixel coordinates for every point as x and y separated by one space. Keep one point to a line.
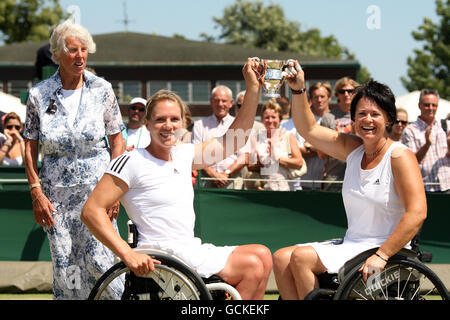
173 279
404 277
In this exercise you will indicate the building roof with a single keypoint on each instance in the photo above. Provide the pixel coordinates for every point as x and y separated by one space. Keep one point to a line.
135 49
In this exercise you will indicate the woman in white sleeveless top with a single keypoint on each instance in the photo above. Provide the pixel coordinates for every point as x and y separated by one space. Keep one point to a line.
383 192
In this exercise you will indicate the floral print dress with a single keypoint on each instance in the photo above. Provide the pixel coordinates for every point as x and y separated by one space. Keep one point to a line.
74 159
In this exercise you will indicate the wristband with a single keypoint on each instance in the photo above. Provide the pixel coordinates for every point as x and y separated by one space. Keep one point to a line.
301 91
34 185
385 260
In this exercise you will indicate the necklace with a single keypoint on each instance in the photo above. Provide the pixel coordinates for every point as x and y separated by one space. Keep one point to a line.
373 155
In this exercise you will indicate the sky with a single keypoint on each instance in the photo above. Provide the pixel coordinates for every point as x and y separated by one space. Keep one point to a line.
378 32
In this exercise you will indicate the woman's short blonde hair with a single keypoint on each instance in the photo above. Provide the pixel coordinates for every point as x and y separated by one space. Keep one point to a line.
272 105
164 95
69 29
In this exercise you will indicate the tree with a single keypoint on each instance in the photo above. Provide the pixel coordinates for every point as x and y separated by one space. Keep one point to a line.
251 24
431 65
28 20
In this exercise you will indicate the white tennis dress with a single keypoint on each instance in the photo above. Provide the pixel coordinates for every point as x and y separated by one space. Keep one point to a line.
372 206
160 202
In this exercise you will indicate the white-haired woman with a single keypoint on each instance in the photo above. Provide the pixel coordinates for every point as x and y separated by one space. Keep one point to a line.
70 114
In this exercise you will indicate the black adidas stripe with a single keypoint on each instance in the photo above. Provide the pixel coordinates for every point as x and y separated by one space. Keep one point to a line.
128 158
118 162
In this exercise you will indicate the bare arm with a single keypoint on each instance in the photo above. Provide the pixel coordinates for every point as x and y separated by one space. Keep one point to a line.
117 144
214 150
409 186
296 159
42 207
94 215
336 144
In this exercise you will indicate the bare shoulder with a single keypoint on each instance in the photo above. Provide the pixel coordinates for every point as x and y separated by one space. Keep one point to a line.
400 151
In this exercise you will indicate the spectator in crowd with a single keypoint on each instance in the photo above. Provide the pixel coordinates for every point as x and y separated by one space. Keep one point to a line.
426 138
136 134
215 126
43 59
320 94
338 119
399 125
155 189
383 192
278 157
12 145
285 107
70 114
288 125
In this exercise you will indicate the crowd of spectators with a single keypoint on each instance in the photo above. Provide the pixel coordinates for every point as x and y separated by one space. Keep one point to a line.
427 137
312 169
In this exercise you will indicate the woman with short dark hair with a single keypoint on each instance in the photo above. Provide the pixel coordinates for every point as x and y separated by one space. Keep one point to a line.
383 192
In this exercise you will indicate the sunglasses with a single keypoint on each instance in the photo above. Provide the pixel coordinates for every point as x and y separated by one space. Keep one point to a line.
343 91
430 104
11 126
134 108
239 105
403 122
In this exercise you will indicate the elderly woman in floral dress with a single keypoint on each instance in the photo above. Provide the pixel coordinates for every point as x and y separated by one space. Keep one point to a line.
70 114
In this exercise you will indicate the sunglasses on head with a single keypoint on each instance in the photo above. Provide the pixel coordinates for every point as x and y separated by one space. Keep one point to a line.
343 91
134 108
403 122
9 127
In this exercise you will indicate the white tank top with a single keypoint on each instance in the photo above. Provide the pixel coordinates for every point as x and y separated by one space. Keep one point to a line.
371 202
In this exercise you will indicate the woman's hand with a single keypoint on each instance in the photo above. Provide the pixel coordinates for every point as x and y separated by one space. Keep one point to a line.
295 76
140 263
373 265
113 212
42 208
252 72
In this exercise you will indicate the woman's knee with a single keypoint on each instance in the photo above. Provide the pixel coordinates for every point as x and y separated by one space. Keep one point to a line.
265 255
282 257
303 256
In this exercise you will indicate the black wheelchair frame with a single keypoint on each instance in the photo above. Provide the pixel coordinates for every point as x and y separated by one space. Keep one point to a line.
173 279
405 277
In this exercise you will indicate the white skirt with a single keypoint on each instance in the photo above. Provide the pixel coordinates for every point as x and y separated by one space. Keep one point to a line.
205 258
334 255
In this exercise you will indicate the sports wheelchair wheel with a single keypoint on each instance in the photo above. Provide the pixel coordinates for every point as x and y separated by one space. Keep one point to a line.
171 280
402 278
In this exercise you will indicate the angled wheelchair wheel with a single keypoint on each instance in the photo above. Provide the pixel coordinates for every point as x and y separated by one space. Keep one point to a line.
402 279
171 280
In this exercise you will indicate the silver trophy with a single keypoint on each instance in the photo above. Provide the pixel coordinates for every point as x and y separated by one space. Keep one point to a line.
272 75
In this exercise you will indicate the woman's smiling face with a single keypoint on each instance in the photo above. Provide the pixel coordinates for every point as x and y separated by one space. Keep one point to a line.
165 120
370 119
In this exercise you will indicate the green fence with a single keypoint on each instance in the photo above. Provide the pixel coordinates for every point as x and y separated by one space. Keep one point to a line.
276 219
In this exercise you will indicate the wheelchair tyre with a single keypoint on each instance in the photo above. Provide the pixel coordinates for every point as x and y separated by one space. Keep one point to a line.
402 279
171 280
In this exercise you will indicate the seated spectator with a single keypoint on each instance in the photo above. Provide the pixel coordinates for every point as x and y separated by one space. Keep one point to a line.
215 126
12 146
276 155
399 125
288 125
136 134
320 94
426 138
